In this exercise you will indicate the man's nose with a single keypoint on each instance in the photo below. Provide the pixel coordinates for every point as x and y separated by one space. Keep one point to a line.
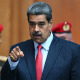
36 27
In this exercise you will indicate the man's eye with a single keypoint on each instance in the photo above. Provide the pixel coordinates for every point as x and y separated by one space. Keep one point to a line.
32 24
41 24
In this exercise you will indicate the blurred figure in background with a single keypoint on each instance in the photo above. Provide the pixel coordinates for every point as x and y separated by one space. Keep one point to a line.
2 58
63 30
1 28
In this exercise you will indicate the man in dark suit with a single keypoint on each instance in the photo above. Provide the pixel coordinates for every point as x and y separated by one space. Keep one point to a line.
44 56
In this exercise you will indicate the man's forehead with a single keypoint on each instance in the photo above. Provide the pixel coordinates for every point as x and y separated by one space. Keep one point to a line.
36 21
43 16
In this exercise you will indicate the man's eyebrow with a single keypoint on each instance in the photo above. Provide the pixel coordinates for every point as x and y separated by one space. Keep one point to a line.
35 22
41 21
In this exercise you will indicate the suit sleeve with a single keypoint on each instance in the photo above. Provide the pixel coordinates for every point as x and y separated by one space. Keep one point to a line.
75 70
6 72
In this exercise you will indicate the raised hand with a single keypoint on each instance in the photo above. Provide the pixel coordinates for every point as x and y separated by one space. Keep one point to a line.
15 54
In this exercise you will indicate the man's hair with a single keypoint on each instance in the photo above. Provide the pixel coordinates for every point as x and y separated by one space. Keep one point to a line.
40 8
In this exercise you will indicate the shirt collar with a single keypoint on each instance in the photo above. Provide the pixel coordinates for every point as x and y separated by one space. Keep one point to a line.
46 44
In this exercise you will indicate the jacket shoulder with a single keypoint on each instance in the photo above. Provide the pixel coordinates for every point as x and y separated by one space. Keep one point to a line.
22 44
67 43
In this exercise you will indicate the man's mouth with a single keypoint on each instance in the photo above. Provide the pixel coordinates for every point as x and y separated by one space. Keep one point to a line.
36 36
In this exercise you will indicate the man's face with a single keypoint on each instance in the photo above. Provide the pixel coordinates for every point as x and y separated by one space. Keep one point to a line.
65 36
39 28
0 38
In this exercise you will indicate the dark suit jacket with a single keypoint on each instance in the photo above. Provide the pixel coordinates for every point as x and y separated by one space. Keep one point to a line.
62 63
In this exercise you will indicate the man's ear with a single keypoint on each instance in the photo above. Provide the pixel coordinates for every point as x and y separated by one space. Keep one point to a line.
50 24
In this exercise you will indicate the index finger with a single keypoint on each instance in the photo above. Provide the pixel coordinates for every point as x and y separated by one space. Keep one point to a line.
18 49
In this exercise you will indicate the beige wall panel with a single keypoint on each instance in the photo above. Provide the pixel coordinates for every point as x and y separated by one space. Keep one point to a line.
5 21
20 29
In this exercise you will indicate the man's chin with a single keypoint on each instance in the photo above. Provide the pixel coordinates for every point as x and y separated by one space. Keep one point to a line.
38 41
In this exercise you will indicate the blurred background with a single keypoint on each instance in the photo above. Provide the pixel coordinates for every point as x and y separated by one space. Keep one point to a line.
14 20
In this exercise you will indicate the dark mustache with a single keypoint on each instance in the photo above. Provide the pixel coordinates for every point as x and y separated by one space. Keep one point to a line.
37 34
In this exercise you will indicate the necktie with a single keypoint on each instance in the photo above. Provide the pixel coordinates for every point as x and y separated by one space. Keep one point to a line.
39 60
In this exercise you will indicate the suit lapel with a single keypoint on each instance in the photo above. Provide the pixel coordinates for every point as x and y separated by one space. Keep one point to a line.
52 56
31 60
